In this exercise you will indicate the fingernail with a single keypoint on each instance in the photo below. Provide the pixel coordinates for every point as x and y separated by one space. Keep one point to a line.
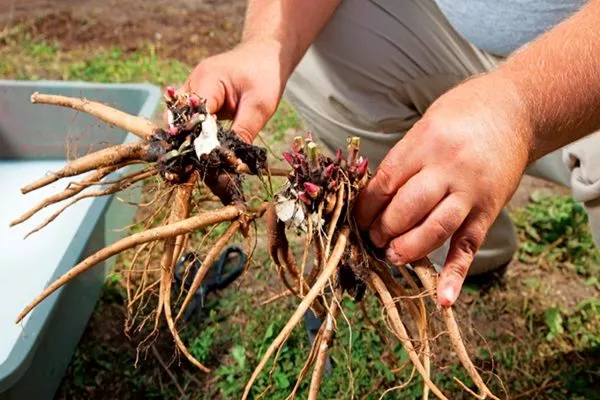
376 239
244 135
392 256
448 295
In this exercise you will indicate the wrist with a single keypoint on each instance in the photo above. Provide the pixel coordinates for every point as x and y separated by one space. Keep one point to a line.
271 48
514 95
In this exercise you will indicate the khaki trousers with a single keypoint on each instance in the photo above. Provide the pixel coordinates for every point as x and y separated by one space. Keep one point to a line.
374 70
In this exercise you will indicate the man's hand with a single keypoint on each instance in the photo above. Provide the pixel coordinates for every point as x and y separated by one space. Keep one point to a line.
244 84
449 177
454 171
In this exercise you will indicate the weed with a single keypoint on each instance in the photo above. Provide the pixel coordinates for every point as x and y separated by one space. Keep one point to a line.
554 231
579 328
201 345
554 321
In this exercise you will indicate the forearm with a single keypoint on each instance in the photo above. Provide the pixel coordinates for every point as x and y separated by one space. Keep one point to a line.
558 79
290 25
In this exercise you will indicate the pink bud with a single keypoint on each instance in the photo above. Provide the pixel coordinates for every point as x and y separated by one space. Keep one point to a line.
194 102
289 158
328 170
312 189
338 155
170 91
362 167
302 196
309 136
173 131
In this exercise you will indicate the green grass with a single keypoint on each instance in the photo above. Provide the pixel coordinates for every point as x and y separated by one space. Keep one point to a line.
246 344
29 58
576 329
284 120
556 229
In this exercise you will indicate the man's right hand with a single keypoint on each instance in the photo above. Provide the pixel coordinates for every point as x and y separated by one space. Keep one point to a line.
244 84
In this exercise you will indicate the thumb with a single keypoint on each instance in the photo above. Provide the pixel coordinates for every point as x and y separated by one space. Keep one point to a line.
208 88
213 91
251 116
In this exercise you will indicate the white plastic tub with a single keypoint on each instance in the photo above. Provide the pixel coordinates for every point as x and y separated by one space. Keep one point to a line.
33 138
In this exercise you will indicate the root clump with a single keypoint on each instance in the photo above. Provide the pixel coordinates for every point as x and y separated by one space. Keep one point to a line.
194 156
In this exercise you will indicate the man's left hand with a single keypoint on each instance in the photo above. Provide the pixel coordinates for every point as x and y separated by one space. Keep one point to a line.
449 178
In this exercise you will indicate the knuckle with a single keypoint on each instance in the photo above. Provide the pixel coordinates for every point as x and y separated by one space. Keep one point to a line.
264 109
201 69
441 229
407 253
383 232
467 245
477 231
261 106
200 73
207 65
385 179
436 129
245 135
459 269
429 125
449 142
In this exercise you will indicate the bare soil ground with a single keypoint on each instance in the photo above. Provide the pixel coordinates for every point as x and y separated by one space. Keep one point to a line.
188 30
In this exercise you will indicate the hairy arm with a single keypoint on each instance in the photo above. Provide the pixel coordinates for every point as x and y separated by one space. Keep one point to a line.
246 83
288 25
557 77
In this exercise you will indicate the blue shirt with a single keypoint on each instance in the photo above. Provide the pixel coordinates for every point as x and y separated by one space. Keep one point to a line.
502 26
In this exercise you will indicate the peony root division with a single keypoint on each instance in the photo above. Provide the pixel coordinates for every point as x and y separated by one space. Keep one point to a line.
198 162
